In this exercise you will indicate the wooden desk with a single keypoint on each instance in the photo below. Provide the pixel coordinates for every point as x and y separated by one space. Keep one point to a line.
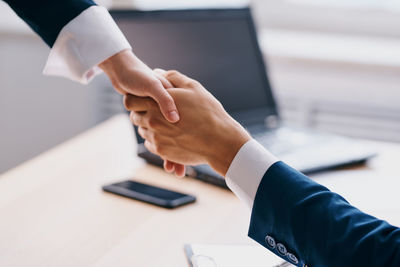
54 213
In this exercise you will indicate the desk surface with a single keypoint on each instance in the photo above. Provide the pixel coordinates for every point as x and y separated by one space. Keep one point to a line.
53 212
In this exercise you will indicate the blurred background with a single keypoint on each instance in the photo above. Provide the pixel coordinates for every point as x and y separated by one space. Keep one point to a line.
334 65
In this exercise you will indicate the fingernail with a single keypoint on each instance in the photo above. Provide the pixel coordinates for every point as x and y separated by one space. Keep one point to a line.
174 116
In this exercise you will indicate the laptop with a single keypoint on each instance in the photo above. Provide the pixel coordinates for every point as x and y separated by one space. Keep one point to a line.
219 48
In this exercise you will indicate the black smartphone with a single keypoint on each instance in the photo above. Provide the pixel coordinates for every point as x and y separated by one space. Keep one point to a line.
150 194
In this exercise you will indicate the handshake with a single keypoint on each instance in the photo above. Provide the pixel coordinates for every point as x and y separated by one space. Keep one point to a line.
179 119
204 134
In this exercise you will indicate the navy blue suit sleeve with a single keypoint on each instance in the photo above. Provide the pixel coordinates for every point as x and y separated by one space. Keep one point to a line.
48 17
305 223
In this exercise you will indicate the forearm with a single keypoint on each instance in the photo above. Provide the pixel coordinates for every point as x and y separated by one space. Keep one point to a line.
47 18
87 40
317 225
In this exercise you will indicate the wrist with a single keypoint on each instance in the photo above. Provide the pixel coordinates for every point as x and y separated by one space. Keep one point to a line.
118 63
228 141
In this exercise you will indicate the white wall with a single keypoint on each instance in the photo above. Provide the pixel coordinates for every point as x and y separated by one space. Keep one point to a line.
37 112
335 65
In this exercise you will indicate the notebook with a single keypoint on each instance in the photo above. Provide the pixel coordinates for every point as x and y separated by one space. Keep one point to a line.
219 255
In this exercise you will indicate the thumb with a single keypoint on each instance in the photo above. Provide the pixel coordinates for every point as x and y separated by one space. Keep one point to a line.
165 102
179 80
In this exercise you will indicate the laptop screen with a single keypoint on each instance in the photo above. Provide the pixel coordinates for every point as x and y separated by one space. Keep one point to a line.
216 47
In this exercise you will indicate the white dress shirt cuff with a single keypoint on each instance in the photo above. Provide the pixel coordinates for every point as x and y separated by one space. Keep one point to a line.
247 170
83 43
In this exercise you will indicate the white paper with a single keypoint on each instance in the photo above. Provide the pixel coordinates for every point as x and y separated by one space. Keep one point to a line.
235 255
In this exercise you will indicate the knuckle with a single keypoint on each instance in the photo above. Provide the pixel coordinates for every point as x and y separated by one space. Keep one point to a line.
149 135
141 132
132 117
192 83
135 119
172 72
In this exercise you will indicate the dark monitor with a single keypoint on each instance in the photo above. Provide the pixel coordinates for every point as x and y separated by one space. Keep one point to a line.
217 47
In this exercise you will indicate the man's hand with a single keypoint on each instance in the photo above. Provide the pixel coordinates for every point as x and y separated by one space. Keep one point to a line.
129 75
205 132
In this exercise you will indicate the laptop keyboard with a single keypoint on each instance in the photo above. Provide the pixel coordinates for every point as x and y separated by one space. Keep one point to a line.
286 140
309 150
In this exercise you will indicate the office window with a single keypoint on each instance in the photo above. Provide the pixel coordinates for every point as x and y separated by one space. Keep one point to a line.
370 17
361 4
335 64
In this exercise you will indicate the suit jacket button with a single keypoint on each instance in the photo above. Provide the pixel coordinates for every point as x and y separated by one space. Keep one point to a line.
270 241
292 258
281 249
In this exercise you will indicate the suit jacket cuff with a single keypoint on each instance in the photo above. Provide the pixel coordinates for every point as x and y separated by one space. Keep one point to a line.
247 169
83 43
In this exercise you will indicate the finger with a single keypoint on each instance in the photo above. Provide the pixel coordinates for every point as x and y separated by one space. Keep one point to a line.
150 147
165 102
138 103
179 80
160 71
169 166
179 170
138 119
159 74
145 134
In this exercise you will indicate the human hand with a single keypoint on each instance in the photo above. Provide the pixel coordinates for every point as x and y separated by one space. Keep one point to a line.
129 75
205 133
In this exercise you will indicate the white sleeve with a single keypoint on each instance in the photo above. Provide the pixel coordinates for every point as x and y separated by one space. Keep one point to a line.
83 43
247 169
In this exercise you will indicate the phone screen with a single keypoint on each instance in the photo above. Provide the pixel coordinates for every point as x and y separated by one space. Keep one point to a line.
150 190
149 194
